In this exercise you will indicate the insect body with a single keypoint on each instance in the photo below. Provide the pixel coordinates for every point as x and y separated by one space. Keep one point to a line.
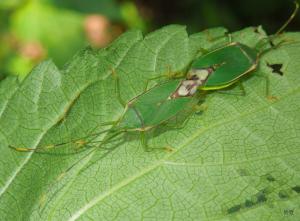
144 112
154 107
225 66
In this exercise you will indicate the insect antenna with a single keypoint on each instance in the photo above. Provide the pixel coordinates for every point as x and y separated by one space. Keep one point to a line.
269 39
79 142
289 20
110 135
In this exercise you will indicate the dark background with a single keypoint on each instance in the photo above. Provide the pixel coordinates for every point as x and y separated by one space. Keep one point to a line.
232 14
34 30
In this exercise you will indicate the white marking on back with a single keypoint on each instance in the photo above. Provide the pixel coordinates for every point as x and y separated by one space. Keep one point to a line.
188 87
182 91
193 90
188 82
202 74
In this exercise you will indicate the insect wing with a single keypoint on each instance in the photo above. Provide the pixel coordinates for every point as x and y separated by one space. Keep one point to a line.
154 106
148 103
169 109
230 63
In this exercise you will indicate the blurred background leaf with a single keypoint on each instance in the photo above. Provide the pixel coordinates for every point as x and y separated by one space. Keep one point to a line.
9 4
44 30
33 30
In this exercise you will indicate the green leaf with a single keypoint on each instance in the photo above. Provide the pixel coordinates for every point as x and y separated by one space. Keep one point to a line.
238 160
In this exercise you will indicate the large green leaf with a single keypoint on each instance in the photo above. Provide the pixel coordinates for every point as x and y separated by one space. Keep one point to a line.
238 160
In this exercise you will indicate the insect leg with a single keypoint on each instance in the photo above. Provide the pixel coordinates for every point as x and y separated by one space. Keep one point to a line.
152 79
229 36
144 141
100 143
203 51
78 142
147 148
267 86
108 138
269 39
117 88
181 126
242 88
168 75
173 75
242 91
289 19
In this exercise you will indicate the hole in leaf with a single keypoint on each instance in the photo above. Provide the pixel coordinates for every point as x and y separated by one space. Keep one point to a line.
276 68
